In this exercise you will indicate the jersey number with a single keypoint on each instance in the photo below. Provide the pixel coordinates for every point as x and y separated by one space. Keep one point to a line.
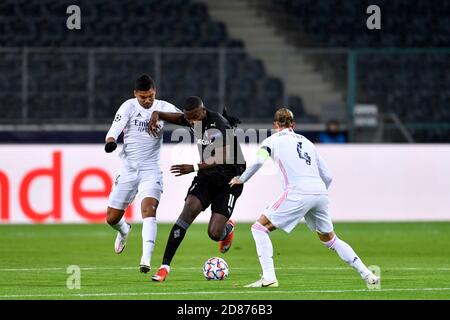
303 155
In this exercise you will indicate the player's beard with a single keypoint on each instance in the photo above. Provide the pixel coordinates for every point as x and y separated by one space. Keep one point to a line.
147 105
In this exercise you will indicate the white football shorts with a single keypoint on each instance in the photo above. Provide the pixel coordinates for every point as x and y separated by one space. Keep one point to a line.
131 182
288 210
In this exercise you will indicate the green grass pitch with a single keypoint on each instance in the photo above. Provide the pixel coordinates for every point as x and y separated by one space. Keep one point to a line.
414 259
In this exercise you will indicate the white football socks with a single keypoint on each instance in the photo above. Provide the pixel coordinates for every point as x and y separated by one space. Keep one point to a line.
122 227
264 249
346 253
149 229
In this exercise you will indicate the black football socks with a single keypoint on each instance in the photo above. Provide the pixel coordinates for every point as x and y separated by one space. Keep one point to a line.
175 237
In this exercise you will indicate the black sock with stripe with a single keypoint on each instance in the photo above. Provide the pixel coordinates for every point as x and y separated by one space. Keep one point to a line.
175 237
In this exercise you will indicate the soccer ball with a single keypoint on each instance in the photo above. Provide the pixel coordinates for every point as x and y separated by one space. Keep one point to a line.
215 269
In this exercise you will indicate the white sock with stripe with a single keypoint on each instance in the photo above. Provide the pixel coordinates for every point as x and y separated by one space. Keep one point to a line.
346 253
149 229
265 250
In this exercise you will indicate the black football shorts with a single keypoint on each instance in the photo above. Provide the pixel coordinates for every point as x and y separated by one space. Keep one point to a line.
215 192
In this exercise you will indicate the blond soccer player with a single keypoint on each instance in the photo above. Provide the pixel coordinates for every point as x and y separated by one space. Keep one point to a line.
306 178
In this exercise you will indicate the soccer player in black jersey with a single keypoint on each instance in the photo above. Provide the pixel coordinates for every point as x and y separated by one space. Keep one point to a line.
221 160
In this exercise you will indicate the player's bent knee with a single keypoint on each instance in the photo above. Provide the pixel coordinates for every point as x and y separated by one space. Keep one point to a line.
113 216
148 212
258 227
328 239
112 220
325 236
214 235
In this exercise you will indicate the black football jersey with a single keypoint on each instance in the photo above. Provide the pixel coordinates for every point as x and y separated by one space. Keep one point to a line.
216 132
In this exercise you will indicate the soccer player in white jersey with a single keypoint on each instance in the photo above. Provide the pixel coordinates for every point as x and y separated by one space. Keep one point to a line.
140 172
306 179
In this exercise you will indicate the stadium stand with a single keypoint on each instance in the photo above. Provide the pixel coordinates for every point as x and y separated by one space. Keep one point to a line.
339 23
415 86
58 81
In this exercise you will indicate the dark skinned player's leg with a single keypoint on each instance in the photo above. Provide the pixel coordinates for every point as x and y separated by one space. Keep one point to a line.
148 207
114 215
217 227
196 201
220 227
192 208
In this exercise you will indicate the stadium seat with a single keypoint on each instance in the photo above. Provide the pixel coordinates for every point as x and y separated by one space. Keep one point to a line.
414 86
125 24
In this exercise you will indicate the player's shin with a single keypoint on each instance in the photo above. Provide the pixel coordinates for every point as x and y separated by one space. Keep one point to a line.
347 254
175 237
149 230
121 226
264 249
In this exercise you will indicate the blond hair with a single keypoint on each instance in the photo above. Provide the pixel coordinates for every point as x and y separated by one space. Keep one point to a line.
284 117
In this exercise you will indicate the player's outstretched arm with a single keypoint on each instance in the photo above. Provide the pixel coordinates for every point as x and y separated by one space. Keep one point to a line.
235 181
171 117
324 171
261 157
220 155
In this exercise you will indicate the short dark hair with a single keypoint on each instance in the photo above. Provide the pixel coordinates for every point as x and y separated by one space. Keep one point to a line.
144 83
192 102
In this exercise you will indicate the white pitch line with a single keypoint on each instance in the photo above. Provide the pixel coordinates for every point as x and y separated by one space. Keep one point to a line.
125 294
31 269
236 268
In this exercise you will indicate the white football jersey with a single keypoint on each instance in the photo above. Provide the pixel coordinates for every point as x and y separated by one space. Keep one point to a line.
300 166
140 149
